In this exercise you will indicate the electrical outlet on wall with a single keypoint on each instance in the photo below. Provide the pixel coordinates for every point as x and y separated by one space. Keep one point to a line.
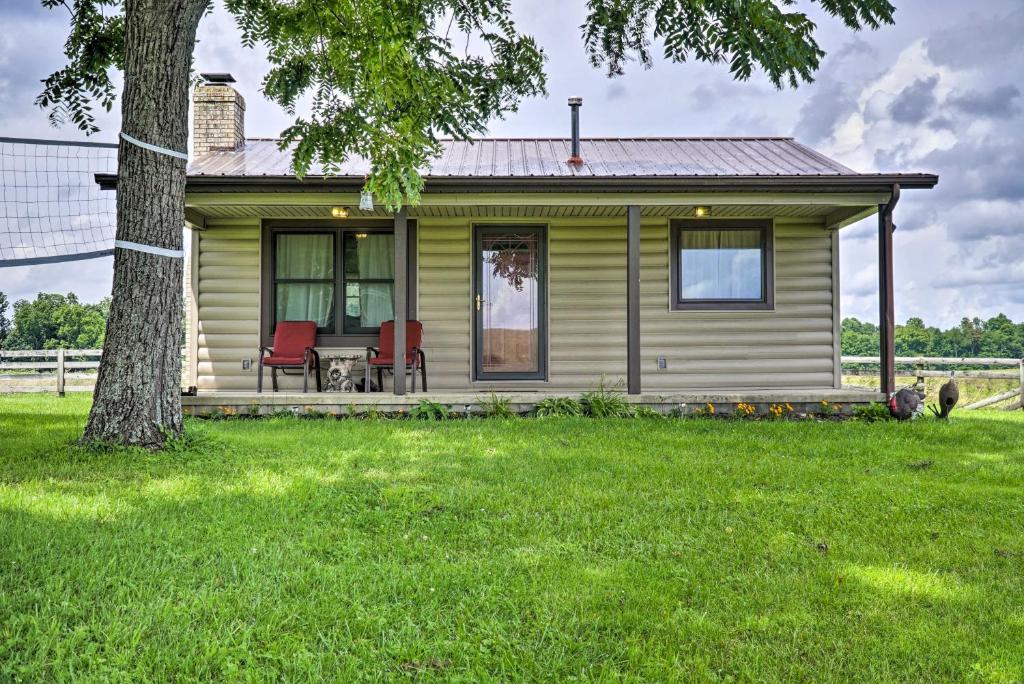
662 363
247 364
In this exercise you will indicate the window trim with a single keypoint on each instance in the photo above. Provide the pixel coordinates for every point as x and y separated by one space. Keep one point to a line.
767 300
271 227
333 280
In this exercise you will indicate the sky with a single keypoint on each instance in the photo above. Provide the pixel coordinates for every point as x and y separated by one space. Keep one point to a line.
938 92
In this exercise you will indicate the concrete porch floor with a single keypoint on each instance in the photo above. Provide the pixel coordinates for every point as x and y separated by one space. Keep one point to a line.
803 400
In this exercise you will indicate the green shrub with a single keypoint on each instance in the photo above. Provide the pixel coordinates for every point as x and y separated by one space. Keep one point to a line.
603 403
647 412
497 407
872 412
430 410
555 407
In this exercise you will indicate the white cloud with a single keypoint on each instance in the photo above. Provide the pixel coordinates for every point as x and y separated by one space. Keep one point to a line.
955 250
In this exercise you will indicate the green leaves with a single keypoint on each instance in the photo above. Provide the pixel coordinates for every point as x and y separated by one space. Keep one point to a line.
386 79
94 47
746 34
53 321
5 323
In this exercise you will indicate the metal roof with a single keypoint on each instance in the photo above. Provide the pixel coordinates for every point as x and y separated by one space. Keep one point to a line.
546 158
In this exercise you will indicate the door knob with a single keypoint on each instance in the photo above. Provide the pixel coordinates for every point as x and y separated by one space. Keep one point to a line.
479 301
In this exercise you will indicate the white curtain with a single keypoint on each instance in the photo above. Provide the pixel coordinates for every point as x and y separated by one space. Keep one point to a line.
306 302
305 257
375 257
720 264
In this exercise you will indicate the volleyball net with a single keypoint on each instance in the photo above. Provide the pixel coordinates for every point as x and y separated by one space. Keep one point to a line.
51 208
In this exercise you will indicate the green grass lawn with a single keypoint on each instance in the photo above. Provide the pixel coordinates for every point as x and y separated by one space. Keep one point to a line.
289 549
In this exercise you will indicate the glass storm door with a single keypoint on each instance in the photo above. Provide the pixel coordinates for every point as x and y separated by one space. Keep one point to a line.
509 303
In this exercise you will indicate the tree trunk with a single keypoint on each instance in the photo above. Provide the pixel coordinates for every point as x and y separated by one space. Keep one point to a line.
137 400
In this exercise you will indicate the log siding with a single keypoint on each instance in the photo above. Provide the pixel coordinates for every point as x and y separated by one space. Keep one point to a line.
791 346
788 346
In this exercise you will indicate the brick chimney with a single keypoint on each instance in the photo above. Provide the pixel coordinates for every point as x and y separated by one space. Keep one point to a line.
218 115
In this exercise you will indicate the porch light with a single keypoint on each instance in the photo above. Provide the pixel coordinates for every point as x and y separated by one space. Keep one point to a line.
701 212
361 236
339 212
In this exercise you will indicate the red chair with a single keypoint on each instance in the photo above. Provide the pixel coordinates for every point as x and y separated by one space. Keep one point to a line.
294 347
384 356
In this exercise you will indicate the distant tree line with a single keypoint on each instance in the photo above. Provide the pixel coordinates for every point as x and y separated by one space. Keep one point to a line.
974 337
53 321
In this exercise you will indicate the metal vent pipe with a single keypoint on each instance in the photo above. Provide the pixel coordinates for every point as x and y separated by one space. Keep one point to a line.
574 105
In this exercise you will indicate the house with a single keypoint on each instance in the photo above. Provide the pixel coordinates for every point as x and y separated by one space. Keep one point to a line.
681 270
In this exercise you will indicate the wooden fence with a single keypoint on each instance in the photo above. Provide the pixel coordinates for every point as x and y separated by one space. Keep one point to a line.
30 371
922 367
30 368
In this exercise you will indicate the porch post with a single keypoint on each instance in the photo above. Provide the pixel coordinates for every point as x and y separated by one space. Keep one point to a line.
401 296
633 299
886 312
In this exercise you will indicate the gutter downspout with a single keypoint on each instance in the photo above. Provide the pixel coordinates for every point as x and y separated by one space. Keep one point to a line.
886 304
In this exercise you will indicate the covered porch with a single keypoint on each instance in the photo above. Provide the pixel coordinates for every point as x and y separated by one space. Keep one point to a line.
426 264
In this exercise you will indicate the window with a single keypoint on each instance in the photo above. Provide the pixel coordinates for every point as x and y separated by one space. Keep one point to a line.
369 281
341 276
304 284
724 265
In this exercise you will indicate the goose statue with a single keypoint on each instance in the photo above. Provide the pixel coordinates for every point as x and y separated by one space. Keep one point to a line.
906 404
949 395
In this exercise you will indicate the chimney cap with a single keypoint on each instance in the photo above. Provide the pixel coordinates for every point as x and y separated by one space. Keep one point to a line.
575 101
217 78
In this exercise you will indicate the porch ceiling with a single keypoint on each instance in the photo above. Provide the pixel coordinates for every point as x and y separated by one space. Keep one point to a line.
830 214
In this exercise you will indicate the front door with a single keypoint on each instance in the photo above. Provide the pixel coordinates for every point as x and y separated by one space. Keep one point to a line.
510 280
